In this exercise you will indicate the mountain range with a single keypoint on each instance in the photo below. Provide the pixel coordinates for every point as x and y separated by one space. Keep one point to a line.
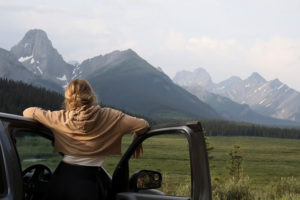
270 102
124 80
121 79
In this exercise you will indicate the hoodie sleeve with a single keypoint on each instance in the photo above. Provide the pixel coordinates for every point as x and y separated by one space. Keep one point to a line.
45 117
133 125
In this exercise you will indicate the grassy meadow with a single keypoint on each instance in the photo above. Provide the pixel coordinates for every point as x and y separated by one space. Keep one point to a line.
265 160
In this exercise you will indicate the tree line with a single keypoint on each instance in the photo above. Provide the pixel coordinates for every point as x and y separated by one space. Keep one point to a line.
229 128
15 96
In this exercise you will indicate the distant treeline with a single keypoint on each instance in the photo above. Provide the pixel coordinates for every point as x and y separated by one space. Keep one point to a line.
228 128
15 96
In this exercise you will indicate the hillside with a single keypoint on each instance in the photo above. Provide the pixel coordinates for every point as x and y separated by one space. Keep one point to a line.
131 83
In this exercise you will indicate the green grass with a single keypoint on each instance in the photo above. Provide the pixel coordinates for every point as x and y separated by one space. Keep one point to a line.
266 160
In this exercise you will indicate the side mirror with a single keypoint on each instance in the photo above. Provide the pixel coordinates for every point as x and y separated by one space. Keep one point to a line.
145 179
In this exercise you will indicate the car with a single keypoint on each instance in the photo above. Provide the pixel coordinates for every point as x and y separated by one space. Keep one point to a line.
26 154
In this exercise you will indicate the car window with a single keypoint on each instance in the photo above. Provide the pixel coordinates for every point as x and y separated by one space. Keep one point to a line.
2 177
169 155
35 149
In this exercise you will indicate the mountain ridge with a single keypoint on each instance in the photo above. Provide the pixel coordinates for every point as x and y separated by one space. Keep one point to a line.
145 90
269 98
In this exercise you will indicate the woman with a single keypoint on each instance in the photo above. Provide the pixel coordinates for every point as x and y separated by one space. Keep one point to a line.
85 134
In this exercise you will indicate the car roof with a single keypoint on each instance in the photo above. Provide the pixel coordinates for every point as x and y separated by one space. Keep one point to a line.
20 122
10 117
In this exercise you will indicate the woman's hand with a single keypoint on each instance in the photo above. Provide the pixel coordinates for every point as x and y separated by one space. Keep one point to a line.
139 150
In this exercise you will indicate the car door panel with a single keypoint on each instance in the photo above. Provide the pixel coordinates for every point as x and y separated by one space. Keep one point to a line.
200 176
137 196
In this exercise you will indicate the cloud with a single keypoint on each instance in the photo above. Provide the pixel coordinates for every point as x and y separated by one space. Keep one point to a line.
209 53
275 54
205 47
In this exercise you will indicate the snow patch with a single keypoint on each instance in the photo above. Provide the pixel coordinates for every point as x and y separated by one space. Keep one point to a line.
268 105
25 45
23 59
282 85
32 61
248 85
262 101
63 78
38 68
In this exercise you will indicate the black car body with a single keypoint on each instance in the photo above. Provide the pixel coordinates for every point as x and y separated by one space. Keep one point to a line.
30 183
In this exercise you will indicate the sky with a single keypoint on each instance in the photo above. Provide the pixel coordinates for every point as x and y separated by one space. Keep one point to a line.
225 37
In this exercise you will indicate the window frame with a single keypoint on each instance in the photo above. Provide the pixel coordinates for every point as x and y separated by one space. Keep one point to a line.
122 170
3 181
36 132
200 173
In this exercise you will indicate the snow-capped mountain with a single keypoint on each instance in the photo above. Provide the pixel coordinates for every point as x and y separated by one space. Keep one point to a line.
270 98
36 53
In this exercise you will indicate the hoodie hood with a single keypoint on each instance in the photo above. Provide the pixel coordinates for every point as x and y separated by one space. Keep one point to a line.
84 119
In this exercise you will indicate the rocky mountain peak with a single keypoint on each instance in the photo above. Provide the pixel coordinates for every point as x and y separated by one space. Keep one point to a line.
233 80
36 35
34 43
277 84
198 77
256 77
36 53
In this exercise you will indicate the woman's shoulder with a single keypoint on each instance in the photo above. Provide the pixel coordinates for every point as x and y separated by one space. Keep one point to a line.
111 111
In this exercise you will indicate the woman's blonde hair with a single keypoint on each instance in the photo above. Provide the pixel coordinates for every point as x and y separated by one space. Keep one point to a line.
79 93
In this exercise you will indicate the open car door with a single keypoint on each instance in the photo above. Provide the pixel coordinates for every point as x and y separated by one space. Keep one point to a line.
144 182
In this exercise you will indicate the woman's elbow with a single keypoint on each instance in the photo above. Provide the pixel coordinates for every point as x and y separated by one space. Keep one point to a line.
144 127
28 112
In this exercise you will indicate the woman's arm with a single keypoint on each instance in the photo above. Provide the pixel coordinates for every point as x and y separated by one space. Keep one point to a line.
46 117
136 126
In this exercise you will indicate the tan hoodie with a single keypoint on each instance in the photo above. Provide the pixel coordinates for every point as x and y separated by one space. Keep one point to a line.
88 132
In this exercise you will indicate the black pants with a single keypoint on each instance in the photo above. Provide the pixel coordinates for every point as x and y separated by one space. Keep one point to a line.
71 182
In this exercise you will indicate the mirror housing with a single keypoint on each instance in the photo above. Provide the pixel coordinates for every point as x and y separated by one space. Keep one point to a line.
145 179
